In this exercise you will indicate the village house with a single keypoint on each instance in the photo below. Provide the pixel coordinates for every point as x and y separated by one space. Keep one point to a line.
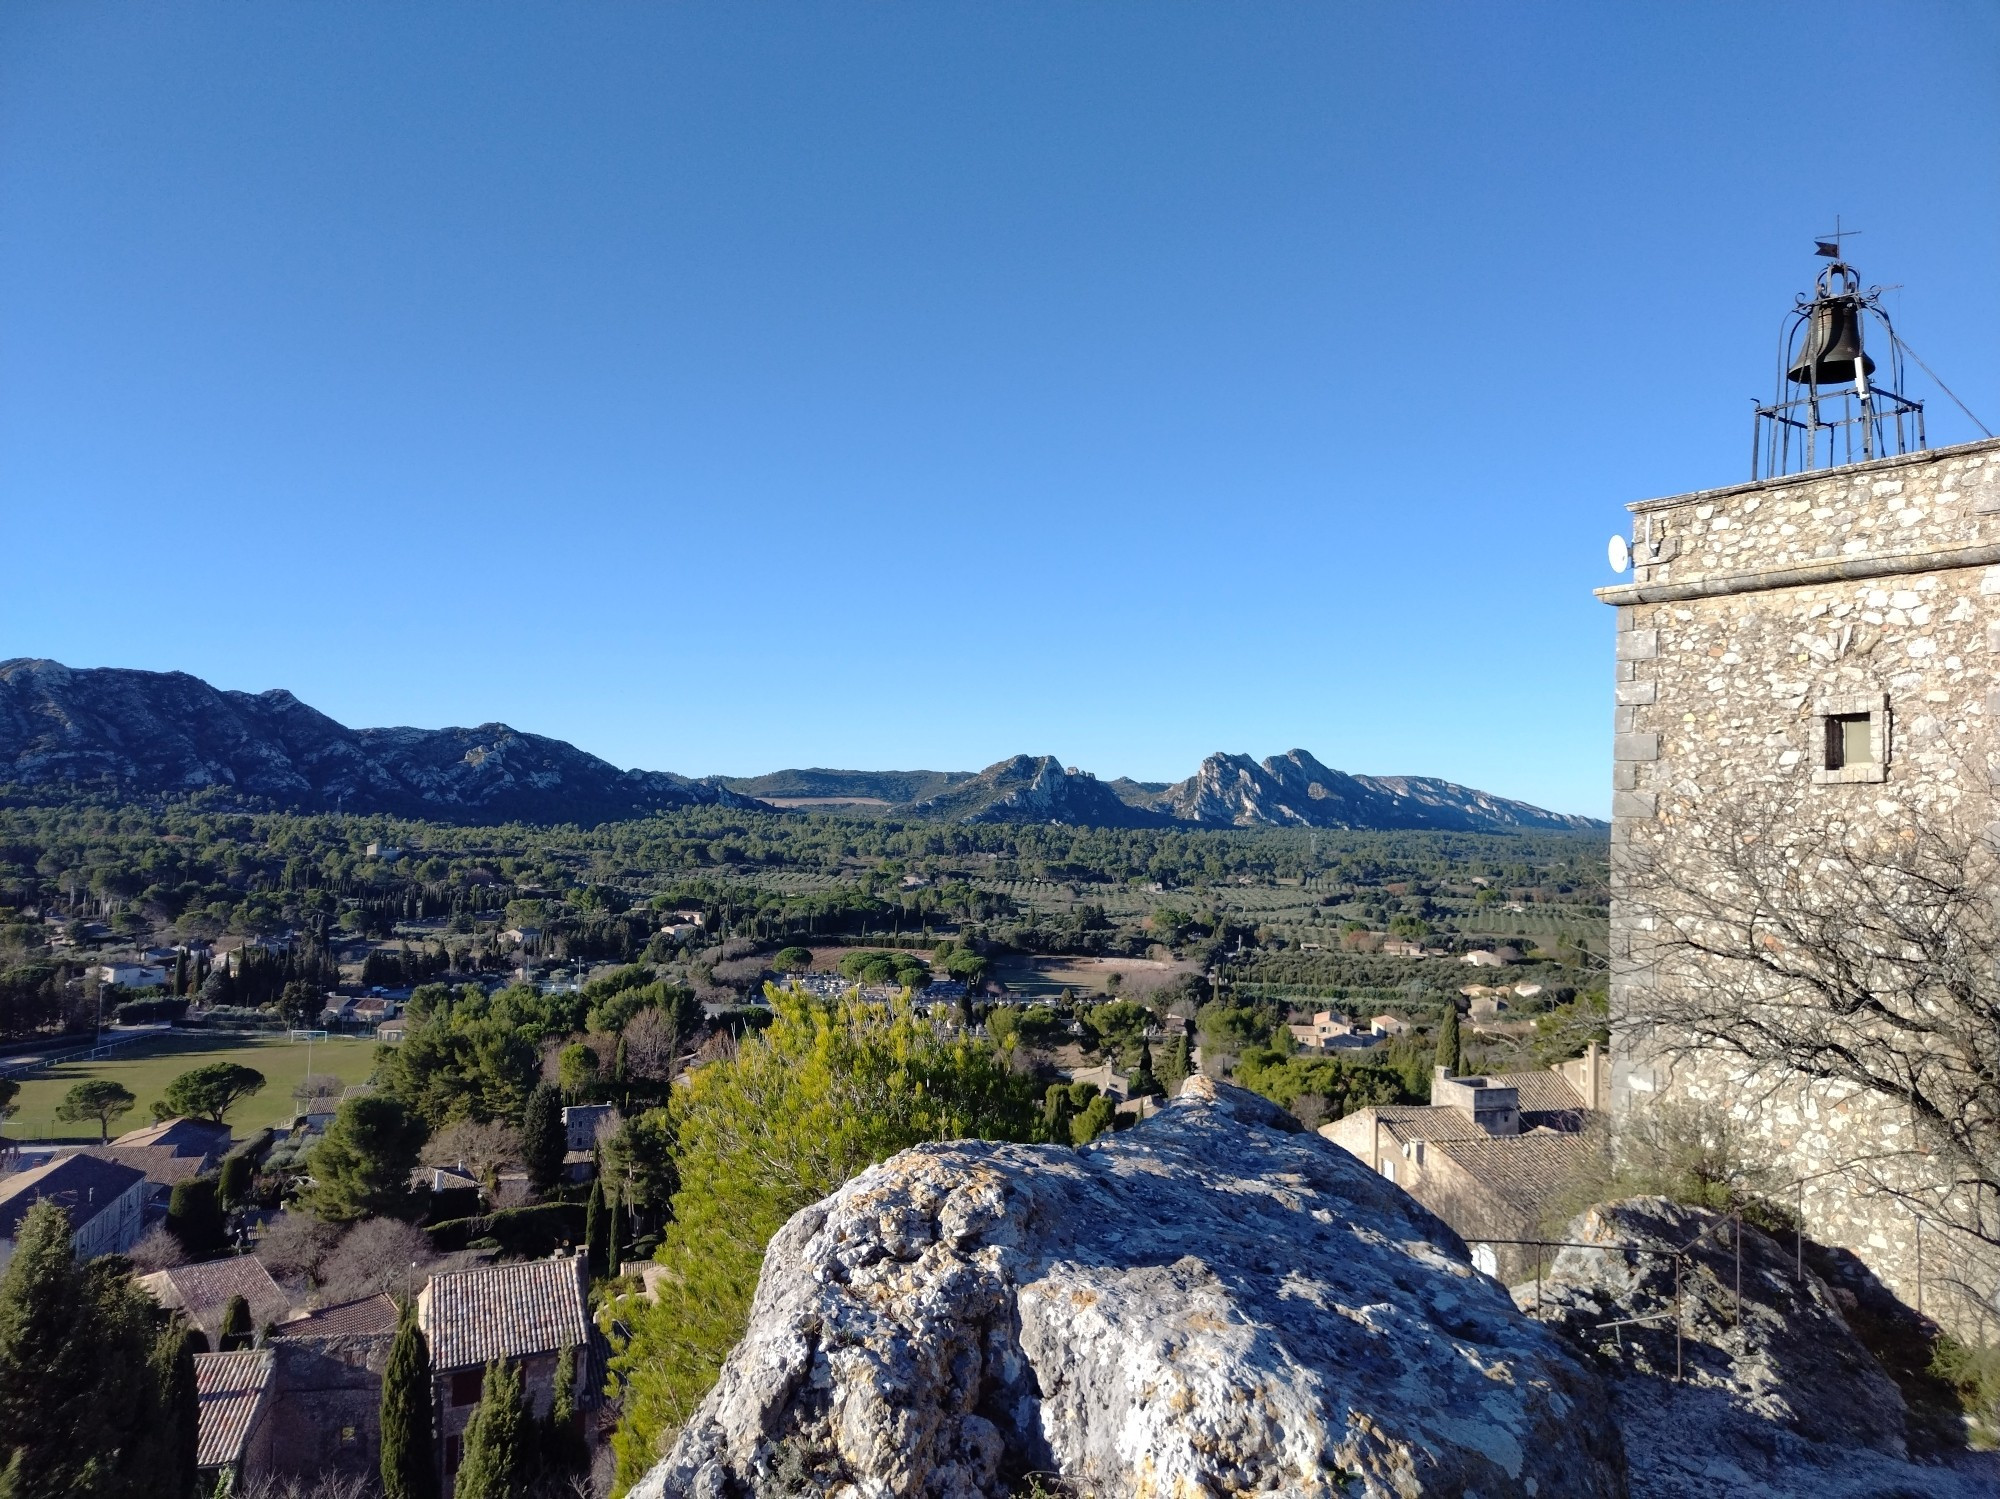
1388 1025
235 1439
106 1203
583 1126
535 1314
1327 1028
131 975
189 1137
325 1399
1493 1156
202 1293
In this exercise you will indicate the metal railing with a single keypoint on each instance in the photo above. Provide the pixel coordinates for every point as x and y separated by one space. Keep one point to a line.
1681 1258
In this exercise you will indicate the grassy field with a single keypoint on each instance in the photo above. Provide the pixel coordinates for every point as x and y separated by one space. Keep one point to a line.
147 1067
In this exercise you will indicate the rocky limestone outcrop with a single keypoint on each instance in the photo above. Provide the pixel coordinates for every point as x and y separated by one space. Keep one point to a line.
1037 788
1209 1304
1783 1401
1295 790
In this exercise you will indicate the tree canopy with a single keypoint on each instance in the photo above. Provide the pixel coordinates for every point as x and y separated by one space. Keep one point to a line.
211 1091
361 1166
97 1098
826 1090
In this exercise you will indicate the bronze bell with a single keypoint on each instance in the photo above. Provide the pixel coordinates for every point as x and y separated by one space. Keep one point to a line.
1832 343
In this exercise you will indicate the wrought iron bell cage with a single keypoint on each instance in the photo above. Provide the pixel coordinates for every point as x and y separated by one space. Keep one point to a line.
1830 408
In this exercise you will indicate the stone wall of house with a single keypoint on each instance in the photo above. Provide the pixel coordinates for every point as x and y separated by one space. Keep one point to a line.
1753 611
325 1406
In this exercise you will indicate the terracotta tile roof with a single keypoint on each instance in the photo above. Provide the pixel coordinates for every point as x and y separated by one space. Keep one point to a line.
232 1388
82 1184
203 1291
1524 1171
1401 1122
1542 1092
348 1319
188 1136
505 1311
162 1165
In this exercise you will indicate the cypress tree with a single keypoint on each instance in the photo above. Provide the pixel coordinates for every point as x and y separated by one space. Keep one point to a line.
232 1183
170 1466
1143 1082
1449 1053
236 1330
593 1228
543 1140
499 1454
564 1450
1178 1065
194 1216
409 1468
613 1259
49 1418
80 1398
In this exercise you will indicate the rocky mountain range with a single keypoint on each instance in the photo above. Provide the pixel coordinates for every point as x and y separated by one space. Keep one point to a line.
1295 790
148 734
154 734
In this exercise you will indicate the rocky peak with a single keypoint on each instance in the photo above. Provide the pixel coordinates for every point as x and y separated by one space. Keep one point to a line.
1295 790
1036 788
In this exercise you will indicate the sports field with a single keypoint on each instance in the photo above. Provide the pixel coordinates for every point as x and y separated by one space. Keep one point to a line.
146 1067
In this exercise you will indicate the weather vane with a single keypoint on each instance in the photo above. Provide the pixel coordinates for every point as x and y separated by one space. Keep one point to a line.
1829 244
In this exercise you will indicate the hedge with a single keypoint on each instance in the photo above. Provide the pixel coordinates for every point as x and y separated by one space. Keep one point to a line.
140 1011
531 1233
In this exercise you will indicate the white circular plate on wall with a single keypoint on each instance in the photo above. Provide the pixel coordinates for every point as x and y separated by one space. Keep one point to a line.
1620 553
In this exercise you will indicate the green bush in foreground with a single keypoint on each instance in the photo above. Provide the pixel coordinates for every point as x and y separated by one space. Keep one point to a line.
827 1090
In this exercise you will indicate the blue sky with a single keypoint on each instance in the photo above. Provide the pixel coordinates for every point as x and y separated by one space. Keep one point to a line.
725 388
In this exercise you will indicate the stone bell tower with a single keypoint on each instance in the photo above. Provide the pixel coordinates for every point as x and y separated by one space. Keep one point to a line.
1816 649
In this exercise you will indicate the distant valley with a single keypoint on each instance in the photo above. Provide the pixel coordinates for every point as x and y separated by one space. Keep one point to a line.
148 735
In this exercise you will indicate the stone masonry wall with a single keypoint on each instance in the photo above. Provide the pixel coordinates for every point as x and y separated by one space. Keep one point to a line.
1752 611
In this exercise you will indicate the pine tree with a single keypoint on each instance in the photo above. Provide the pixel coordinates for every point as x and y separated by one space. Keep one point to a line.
594 1227
543 1140
1449 1053
409 1468
499 1448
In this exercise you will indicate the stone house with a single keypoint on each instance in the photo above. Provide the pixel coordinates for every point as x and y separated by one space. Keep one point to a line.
106 1203
202 1292
325 1415
235 1438
1327 1028
533 1314
1493 1156
1821 648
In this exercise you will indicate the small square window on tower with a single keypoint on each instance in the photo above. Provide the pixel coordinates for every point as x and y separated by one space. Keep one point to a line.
1852 736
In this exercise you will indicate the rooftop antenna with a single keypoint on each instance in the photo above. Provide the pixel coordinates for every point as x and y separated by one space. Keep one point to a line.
1829 409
